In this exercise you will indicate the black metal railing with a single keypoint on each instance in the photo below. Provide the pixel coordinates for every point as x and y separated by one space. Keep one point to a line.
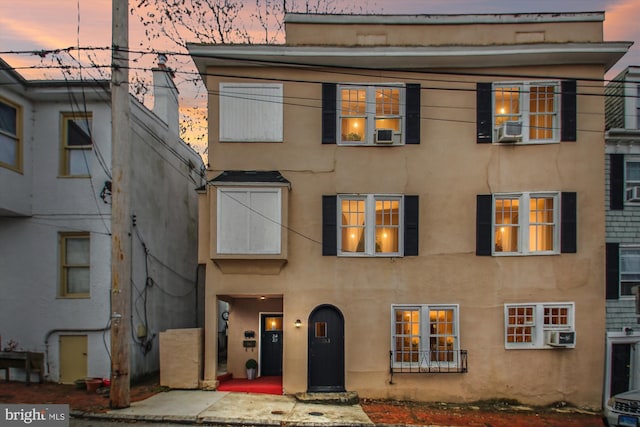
428 362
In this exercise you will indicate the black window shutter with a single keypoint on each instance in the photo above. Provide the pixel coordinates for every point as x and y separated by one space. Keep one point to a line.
412 109
411 220
484 209
484 119
568 226
568 114
329 226
616 181
329 105
613 270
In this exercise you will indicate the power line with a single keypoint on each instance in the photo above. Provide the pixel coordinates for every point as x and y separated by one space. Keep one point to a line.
271 62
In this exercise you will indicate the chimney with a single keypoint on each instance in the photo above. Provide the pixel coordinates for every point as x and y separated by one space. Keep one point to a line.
165 95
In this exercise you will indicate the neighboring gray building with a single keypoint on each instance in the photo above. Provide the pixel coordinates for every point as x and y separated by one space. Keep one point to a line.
622 231
55 223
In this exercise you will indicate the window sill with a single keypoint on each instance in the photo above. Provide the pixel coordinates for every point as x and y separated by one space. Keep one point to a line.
363 255
543 347
250 265
368 144
518 254
12 168
510 144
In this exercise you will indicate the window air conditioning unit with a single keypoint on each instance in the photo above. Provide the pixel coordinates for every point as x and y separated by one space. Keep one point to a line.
510 131
566 339
633 194
384 136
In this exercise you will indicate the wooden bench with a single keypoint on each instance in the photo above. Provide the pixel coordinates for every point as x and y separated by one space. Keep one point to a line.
31 362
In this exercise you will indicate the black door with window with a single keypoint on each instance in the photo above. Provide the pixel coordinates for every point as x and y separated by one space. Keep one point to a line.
326 350
271 345
620 368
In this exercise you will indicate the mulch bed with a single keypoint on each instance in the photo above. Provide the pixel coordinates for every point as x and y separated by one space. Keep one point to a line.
479 414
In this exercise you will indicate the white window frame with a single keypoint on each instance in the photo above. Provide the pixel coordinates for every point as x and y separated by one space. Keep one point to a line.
7 137
370 113
629 183
370 224
254 221
622 249
524 113
637 107
538 326
524 222
425 335
251 112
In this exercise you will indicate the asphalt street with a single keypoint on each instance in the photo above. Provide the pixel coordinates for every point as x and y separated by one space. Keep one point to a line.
84 422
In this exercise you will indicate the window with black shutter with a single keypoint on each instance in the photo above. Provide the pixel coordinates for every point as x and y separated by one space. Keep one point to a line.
370 225
531 112
365 115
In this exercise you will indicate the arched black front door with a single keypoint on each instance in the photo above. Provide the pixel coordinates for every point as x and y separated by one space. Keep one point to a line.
326 350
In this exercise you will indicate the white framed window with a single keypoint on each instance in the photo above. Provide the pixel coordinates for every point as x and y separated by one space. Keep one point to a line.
632 179
425 336
249 220
10 135
251 112
77 144
629 270
526 223
638 107
370 114
526 112
74 265
370 225
530 325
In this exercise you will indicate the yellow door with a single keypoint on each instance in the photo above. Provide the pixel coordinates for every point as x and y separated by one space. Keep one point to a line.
73 358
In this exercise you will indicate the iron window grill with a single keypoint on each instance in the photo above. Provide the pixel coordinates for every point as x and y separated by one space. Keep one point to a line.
430 362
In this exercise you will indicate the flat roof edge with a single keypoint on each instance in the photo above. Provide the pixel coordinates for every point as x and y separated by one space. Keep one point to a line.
423 19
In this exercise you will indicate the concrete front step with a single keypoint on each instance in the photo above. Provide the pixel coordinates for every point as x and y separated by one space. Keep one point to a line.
343 398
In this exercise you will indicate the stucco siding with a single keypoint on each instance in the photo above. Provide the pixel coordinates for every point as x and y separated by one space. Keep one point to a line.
446 171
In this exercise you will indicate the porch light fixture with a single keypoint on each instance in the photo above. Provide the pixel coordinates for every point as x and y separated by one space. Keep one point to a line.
298 323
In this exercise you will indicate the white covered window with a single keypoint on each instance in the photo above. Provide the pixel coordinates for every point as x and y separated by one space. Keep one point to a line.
526 223
249 220
527 112
251 112
425 336
539 325
370 114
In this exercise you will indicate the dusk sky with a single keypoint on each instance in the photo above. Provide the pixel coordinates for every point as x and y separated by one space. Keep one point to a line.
33 25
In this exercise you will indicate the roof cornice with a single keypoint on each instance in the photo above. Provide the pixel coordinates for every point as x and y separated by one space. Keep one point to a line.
407 57
465 19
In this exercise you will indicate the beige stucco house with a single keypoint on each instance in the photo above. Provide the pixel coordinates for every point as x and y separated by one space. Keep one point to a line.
410 207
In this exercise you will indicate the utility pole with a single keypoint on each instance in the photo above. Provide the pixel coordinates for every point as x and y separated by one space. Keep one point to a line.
120 208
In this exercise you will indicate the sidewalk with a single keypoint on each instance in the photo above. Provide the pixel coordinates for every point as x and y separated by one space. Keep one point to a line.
230 408
151 402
